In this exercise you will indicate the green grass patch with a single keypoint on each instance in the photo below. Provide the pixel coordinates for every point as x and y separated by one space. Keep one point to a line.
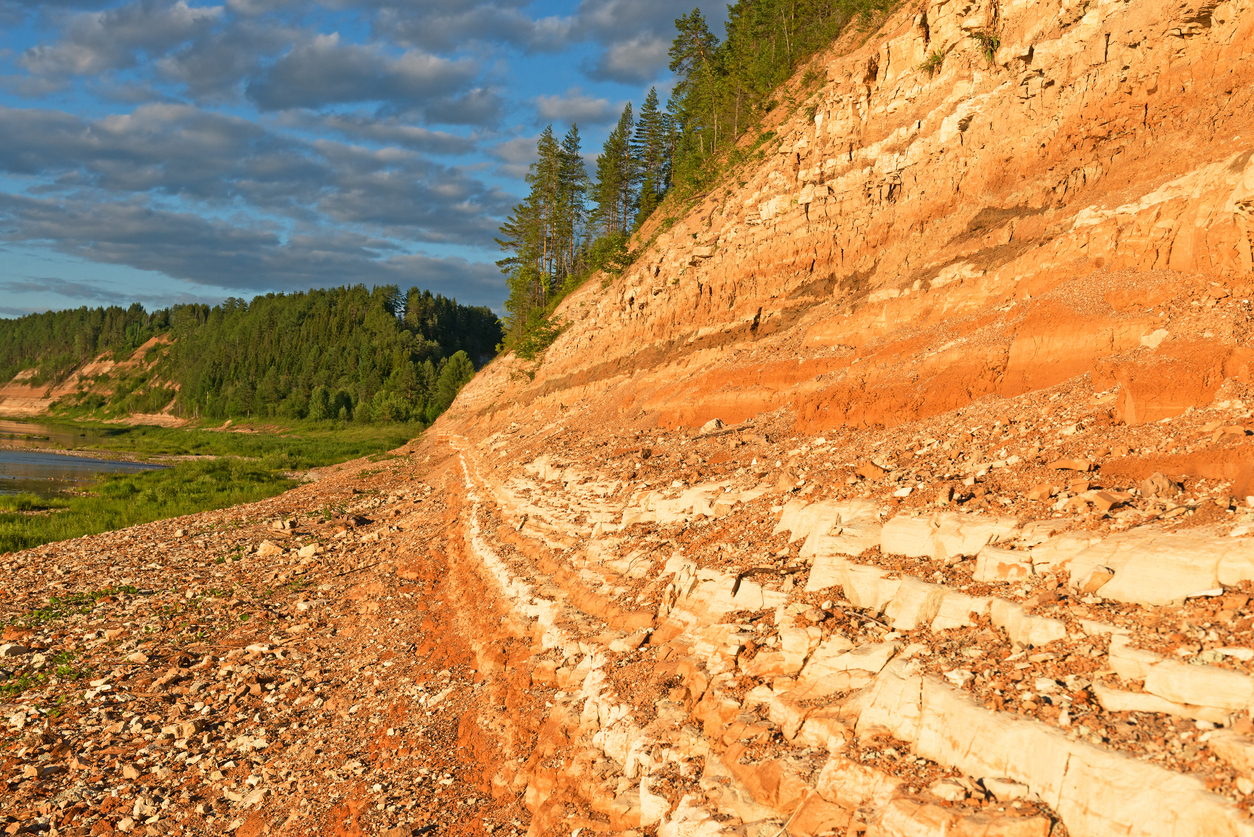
17 684
60 666
989 43
80 603
280 446
28 503
249 467
63 666
932 64
118 500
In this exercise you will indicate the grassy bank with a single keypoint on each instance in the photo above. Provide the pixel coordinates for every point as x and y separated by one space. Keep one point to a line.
126 500
249 466
276 446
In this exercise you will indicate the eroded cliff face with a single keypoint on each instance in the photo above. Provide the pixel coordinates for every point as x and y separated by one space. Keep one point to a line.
905 486
957 222
892 486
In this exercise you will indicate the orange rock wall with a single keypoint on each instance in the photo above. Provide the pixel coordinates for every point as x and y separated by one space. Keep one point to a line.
911 242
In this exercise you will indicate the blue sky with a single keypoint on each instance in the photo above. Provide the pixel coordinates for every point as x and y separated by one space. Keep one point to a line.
167 151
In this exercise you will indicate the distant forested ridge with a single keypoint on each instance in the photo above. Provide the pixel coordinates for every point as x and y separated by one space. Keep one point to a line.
346 354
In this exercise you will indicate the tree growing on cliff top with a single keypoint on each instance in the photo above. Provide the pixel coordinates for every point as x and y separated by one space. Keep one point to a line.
723 89
615 189
544 234
650 148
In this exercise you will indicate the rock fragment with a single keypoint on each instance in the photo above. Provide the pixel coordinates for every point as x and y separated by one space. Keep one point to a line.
1159 484
1082 465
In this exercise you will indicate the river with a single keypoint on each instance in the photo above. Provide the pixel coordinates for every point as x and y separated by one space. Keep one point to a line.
26 466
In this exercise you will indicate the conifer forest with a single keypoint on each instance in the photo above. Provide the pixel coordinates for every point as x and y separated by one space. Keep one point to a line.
344 354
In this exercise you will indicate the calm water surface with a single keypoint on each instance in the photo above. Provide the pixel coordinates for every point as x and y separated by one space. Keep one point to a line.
24 470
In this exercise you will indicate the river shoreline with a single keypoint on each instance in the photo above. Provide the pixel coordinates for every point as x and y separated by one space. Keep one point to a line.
12 441
113 455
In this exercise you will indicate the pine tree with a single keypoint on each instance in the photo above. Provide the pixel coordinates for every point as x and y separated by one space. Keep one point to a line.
519 239
694 97
615 190
721 90
572 213
320 403
544 178
650 146
455 374
542 234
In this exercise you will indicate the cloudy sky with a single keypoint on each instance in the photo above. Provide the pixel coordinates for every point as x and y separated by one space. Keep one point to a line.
166 151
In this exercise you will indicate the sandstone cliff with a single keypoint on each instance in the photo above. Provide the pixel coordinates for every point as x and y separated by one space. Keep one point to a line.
899 488
948 310
995 228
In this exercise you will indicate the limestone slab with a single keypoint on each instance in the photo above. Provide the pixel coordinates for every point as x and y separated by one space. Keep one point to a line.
907 817
869 588
944 535
956 609
1116 700
690 820
909 536
855 785
893 703
824 729
1200 685
832 669
1234 748
915 604
1095 791
1056 553
1156 568
954 731
846 528
1128 662
828 571
1024 628
795 645
997 564
1195 686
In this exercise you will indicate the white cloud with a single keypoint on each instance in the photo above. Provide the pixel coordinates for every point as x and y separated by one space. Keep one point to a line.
635 60
95 42
575 106
324 70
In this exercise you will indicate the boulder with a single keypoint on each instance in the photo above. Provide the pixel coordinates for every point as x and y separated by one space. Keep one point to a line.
833 667
956 609
267 549
914 605
855 785
1023 628
1234 748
